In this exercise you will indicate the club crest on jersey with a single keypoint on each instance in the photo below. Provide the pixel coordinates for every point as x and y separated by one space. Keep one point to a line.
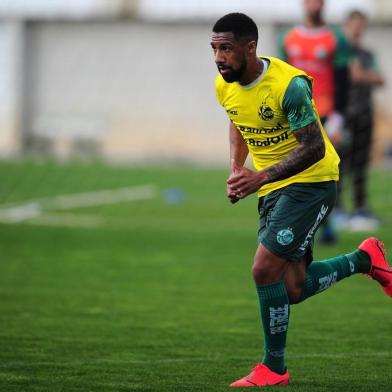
266 113
321 52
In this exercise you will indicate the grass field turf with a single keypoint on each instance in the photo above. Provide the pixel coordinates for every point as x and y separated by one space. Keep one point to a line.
160 297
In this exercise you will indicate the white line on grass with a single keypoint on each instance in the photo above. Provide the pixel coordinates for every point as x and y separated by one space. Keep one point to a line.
68 220
31 209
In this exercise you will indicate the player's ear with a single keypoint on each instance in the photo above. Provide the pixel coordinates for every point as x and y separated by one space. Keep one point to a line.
252 45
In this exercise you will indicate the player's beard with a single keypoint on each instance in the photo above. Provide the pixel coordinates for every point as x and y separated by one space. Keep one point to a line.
235 74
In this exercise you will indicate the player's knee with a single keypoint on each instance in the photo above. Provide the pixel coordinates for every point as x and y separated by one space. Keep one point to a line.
264 271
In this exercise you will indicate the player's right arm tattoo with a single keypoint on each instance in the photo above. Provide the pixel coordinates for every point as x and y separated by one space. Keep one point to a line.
310 150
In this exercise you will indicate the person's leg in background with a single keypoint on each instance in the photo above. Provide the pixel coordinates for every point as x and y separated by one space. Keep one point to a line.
362 217
338 219
340 216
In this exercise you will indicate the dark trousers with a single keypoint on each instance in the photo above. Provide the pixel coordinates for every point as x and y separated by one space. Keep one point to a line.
355 155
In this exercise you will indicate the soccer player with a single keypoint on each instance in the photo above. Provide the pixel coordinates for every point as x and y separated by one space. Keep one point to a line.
365 76
272 116
323 53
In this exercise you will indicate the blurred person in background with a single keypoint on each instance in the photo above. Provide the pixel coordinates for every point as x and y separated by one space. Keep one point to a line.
359 119
323 52
273 118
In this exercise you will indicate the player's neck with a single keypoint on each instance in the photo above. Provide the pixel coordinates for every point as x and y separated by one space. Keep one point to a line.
314 23
255 69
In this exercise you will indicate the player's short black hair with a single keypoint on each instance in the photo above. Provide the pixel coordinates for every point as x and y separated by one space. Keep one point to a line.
356 14
241 25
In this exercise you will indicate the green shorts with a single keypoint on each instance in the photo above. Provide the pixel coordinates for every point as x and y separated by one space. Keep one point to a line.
290 217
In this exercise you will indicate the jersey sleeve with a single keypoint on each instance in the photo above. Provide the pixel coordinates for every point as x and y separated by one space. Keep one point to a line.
343 52
343 57
372 61
297 103
374 66
282 54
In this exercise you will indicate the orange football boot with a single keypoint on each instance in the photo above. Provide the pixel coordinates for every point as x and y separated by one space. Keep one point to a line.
379 268
262 376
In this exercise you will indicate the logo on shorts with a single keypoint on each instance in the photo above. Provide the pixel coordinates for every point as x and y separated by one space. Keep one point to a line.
285 236
321 215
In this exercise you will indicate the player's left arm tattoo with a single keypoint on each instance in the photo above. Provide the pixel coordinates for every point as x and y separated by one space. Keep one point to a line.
310 150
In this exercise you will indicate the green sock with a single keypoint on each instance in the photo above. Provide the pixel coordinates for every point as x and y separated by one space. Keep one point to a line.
321 275
275 311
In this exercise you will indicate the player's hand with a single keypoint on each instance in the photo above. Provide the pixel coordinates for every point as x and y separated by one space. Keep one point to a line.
231 194
336 138
242 182
233 198
334 128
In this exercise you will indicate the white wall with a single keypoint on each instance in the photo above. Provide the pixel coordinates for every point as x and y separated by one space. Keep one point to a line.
49 9
143 92
263 10
11 58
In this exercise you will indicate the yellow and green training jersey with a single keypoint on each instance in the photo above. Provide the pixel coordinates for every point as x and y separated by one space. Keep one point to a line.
262 112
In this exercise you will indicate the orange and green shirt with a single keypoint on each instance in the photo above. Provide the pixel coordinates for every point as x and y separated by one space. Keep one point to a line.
318 52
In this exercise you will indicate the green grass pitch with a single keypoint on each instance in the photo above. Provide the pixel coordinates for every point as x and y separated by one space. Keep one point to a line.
158 296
